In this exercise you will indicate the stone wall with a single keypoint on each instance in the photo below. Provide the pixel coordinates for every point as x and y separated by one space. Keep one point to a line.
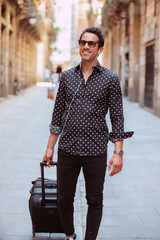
18 47
7 42
133 37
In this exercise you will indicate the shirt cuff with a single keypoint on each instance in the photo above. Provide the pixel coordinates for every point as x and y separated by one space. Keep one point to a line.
55 129
113 137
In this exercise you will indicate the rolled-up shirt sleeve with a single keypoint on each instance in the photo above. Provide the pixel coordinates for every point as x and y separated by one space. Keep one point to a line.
116 112
59 107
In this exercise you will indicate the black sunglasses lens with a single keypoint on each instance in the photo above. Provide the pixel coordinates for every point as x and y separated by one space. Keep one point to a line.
82 43
91 44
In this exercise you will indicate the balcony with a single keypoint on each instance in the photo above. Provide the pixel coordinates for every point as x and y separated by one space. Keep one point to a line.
116 10
29 18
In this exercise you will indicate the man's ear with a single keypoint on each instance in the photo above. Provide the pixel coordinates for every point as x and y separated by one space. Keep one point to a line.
100 50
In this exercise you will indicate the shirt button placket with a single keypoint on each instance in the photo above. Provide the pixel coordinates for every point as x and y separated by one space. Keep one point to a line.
81 115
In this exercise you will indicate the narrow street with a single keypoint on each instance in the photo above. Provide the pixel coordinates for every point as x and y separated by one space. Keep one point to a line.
131 198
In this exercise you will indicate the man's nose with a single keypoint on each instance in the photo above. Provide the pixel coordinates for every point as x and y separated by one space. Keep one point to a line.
86 45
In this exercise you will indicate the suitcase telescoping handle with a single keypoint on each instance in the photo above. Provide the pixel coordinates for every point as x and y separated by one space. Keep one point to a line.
42 164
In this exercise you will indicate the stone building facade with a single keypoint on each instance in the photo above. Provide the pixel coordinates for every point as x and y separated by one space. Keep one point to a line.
132 49
80 21
22 29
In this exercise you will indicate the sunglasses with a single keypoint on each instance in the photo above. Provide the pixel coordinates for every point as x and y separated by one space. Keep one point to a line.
91 44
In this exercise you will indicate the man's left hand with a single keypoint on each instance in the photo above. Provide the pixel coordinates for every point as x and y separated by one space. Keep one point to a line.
115 164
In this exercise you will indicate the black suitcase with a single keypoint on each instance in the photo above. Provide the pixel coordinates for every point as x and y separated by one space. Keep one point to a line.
43 205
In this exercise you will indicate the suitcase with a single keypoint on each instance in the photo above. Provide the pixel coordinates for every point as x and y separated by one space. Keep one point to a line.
43 205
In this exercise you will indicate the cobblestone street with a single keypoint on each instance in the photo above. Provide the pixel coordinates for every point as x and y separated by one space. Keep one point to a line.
131 198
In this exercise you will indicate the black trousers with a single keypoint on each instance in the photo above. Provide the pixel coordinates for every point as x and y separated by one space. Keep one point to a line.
94 169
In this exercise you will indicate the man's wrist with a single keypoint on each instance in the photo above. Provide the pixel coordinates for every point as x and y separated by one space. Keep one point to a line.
119 152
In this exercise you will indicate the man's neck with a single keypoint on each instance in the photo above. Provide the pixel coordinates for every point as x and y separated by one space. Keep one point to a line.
88 65
87 68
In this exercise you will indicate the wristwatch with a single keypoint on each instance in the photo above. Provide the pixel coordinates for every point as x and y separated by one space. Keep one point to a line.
119 152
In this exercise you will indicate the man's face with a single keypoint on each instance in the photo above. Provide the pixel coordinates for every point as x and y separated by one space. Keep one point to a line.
89 53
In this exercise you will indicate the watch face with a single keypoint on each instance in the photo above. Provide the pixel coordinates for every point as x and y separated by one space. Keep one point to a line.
120 152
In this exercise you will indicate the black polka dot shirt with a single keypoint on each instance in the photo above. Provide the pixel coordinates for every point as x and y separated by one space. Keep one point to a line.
79 116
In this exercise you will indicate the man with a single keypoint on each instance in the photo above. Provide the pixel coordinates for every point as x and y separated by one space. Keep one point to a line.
84 96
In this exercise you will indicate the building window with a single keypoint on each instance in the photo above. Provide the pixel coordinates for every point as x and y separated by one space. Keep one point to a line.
127 28
11 18
3 10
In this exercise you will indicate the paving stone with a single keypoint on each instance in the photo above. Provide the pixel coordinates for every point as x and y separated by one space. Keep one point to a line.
129 211
124 238
150 221
15 224
119 221
127 220
157 209
124 232
39 236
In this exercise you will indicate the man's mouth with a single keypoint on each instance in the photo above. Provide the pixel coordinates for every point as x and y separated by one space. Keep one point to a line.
85 53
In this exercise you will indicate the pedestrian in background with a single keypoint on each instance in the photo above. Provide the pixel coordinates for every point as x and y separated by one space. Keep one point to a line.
47 74
56 79
85 94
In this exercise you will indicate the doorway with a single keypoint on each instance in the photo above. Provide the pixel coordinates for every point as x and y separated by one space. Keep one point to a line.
2 67
126 74
149 77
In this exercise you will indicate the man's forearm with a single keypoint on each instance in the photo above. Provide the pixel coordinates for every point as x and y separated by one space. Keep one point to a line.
118 145
52 141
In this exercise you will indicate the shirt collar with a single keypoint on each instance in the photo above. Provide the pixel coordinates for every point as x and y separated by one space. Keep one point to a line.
98 67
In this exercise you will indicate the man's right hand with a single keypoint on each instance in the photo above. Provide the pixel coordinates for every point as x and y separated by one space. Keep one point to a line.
48 157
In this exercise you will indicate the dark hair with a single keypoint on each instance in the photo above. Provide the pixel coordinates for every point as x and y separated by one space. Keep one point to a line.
96 31
59 69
